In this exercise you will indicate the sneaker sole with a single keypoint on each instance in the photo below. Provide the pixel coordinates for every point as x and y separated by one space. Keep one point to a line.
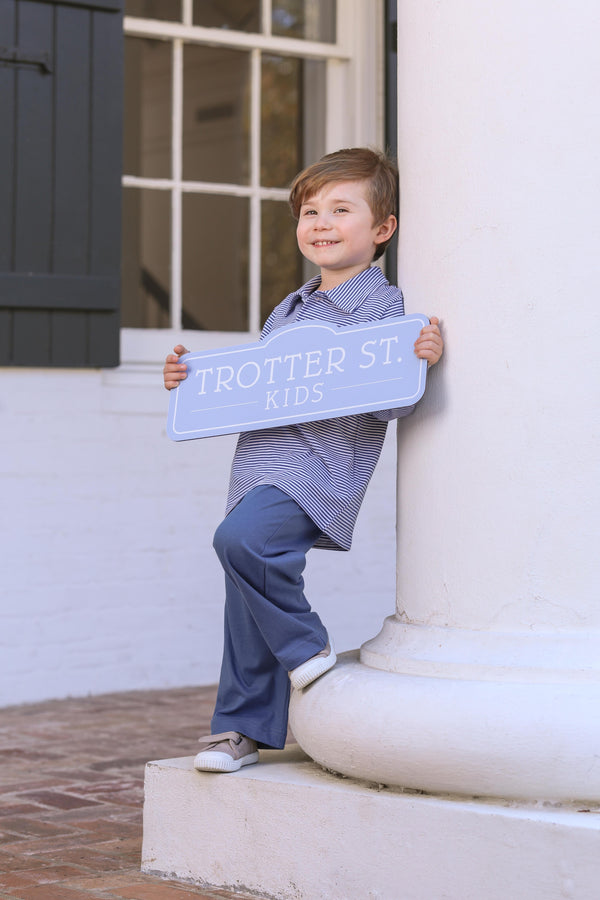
215 761
309 671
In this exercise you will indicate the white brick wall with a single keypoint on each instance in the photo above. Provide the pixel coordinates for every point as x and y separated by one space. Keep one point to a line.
109 580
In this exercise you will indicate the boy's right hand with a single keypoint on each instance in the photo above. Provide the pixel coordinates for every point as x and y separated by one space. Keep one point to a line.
174 371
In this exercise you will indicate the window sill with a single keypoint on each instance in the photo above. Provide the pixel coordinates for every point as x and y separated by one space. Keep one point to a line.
143 353
150 346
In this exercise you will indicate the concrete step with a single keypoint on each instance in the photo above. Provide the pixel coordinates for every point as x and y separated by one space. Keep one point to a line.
287 829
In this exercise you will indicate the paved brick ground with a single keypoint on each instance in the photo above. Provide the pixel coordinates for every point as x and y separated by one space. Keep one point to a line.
71 793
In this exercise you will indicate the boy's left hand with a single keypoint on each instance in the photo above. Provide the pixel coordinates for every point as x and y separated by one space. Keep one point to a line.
430 345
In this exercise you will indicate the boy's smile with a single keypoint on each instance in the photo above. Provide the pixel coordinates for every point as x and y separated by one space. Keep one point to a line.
336 231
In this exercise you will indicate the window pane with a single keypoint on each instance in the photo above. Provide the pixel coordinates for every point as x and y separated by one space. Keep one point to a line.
238 15
215 114
147 113
281 261
292 117
146 258
215 262
313 20
154 9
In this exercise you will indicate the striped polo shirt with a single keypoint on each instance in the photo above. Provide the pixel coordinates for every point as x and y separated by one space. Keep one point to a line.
324 466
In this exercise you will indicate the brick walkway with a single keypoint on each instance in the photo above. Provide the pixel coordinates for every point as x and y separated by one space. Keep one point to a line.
71 793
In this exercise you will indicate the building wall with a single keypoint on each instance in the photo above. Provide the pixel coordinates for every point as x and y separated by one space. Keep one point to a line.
109 578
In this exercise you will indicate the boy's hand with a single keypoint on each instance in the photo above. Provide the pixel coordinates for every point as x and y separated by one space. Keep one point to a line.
430 345
174 371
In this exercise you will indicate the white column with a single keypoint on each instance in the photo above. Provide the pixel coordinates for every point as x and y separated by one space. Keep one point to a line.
486 681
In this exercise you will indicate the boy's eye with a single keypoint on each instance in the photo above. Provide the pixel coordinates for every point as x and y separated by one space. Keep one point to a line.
309 212
341 209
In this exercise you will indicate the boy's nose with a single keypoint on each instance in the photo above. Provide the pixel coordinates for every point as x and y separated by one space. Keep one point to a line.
321 222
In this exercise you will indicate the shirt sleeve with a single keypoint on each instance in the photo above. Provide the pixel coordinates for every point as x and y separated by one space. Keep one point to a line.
396 308
386 415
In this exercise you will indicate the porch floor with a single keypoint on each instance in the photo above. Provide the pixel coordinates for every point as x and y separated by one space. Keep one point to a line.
71 793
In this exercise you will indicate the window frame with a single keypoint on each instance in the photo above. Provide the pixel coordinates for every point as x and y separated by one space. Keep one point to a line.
355 76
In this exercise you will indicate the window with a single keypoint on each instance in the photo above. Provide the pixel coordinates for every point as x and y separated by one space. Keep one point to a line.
224 102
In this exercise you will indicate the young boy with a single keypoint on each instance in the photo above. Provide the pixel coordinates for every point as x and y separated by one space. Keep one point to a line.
300 486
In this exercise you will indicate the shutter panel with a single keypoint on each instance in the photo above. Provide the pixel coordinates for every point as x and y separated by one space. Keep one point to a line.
60 172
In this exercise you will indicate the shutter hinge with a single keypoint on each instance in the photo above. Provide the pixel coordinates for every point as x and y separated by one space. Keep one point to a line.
17 57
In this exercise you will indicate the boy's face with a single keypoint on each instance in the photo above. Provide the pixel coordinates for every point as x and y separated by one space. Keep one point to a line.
336 231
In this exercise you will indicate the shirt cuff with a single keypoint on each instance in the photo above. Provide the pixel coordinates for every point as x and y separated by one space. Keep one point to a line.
386 415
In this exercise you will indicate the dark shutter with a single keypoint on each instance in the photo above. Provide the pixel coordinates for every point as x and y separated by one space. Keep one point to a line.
60 171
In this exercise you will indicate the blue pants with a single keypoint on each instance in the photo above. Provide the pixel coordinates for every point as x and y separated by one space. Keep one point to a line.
269 625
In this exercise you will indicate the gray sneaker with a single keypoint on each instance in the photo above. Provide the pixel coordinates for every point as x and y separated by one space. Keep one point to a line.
226 752
313 668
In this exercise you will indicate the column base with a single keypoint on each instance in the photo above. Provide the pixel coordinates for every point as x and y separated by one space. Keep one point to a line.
519 739
286 829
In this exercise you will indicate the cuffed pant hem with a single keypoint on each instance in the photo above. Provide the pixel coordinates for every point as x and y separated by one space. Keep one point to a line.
306 652
265 739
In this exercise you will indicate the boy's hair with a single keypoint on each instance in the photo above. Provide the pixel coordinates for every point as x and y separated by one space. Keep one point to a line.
353 164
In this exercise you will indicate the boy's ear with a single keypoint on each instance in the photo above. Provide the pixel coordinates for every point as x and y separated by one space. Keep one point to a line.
386 229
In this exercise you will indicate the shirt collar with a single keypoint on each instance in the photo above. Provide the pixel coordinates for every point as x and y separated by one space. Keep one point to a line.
351 294
347 296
